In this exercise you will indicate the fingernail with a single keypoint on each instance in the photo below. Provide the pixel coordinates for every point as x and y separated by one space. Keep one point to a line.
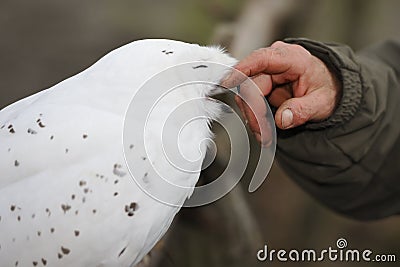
287 118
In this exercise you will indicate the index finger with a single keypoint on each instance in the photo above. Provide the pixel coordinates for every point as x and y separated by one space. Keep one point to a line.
277 59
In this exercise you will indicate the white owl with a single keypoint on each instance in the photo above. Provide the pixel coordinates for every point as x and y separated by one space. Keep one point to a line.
67 197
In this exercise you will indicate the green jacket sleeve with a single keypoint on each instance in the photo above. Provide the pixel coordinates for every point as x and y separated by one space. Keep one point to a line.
351 161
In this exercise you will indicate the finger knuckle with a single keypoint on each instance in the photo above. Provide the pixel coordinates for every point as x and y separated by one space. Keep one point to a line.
279 52
299 50
278 44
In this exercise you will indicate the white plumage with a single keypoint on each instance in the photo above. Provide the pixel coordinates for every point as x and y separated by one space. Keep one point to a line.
66 195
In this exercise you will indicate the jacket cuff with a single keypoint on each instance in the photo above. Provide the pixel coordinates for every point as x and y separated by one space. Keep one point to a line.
339 59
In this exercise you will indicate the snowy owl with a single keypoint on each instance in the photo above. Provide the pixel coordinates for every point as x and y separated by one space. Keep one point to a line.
67 197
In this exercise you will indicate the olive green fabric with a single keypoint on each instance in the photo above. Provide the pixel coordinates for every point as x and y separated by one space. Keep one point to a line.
351 161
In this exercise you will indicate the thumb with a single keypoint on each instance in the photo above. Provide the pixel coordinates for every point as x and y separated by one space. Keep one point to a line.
299 110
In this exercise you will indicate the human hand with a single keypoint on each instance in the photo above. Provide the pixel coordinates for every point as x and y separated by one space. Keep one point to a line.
299 84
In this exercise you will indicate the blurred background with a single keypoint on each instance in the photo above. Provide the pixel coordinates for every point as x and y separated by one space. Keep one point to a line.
45 41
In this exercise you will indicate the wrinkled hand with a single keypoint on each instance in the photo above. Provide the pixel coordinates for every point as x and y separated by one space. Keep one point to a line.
299 84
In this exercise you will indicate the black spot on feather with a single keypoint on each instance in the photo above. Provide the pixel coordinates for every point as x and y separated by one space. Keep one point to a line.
200 66
122 252
11 129
131 208
65 207
40 123
31 131
167 52
65 251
